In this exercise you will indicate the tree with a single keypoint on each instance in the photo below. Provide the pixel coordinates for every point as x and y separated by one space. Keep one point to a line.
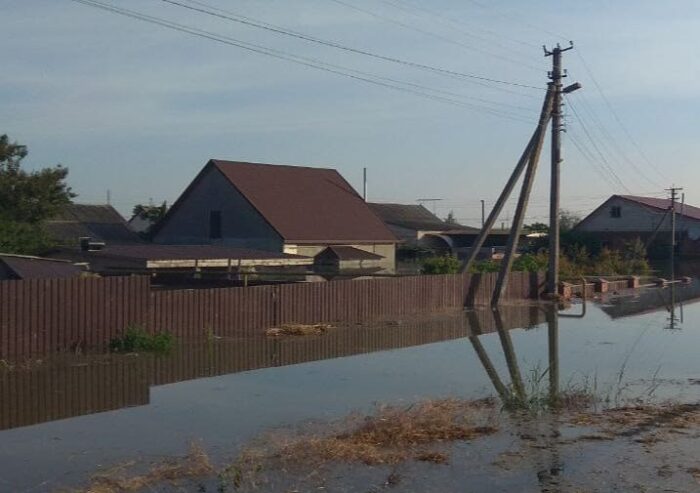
450 219
27 200
537 228
568 220
150 213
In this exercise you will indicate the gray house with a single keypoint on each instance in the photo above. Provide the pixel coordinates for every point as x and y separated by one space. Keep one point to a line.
289 209
622 218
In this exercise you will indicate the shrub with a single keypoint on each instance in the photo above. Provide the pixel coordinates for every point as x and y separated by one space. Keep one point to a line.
447 264
137 339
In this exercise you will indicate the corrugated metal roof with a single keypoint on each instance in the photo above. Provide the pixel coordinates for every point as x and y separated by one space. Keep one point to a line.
149 251
306 205
100 222
411 216
664 205
351 253
26 267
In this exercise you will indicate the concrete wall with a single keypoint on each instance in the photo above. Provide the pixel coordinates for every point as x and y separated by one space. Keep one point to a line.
241 224
386 250
636 218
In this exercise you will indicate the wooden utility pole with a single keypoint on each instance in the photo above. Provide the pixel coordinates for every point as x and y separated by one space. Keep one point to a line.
556 76
510 184
673 191
517 226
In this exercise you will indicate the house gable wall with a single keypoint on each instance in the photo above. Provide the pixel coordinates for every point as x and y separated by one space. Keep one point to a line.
633 218
242 225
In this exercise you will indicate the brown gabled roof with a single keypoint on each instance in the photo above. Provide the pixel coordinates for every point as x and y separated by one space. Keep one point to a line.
306 205
28 267
411 216
100 222
664 205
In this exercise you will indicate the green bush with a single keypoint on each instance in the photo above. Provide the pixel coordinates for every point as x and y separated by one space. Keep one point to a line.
447 264
136 339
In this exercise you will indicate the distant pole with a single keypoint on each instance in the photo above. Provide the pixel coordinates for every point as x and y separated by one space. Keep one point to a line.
109 197
483 213
364 184
673 191
556 76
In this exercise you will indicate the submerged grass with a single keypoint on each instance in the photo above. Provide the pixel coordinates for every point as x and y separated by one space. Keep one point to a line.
298 330
390 436
195 464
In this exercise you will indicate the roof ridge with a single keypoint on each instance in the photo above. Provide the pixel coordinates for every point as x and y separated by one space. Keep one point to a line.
296 166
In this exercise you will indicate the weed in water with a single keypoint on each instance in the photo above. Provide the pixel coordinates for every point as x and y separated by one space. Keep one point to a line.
195 464
136 339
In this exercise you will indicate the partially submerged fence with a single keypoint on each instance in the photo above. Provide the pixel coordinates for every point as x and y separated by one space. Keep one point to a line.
39 316
65 389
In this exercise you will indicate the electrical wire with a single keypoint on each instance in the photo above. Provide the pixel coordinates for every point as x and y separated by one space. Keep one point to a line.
277 29
441 37
616 116
295 58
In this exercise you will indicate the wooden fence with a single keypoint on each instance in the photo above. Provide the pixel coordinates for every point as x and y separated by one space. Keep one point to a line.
64 386
39 316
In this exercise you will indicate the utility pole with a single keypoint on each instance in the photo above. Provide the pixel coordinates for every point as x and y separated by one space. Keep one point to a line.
556 76
483 213
673 191
364 184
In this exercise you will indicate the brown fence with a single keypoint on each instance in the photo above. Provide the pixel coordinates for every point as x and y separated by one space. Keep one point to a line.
64 387
39 316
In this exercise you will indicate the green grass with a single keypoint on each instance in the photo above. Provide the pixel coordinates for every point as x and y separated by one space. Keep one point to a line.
136 339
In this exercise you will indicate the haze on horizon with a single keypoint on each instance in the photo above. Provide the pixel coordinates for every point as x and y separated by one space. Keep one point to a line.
138 109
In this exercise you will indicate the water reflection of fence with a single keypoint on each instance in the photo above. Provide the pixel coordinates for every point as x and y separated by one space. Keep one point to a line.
39 316
69 386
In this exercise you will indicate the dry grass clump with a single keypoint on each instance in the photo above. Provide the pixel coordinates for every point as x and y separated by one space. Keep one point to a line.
632 421
392 435
298 330
195 464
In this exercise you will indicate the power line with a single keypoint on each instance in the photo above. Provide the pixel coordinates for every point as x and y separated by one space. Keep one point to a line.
309 62
612 142
457 24
391 20
279 30
616 116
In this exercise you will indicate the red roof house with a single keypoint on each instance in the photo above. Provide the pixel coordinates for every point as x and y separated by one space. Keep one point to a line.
291 209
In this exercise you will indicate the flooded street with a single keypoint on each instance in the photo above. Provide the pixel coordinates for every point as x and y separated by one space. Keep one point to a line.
65 419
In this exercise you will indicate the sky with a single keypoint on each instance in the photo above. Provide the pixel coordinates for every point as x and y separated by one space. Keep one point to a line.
137 109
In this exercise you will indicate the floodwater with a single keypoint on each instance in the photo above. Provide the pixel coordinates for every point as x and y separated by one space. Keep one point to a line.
66 418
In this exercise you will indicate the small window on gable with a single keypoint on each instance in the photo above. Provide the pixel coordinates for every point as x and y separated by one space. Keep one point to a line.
215 225
616 211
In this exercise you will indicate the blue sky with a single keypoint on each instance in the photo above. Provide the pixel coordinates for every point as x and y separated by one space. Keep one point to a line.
138 109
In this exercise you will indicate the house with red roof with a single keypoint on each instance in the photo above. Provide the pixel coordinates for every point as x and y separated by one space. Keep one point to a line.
622 218
289 209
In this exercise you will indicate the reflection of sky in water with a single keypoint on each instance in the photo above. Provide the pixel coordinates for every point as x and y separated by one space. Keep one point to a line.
224 411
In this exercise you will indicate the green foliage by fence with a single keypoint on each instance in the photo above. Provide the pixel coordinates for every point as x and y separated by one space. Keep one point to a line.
136 339
447 264
576 261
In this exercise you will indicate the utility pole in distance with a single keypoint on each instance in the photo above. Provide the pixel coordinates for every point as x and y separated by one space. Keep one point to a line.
673 191
556 75
483 213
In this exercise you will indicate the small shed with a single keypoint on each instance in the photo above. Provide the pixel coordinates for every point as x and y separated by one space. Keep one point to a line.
345 259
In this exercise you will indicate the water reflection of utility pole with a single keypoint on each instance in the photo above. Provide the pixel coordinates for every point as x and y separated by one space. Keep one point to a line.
474 334
511 359
672 319
553 345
